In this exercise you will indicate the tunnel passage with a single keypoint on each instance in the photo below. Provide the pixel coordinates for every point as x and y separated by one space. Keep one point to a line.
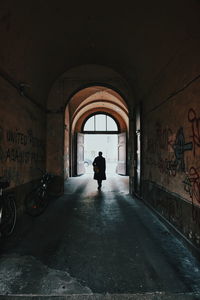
146 52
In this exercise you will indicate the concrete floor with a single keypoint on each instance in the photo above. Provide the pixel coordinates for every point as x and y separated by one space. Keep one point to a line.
89 243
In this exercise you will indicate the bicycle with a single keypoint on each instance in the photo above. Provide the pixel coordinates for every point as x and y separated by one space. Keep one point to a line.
7 210
37 200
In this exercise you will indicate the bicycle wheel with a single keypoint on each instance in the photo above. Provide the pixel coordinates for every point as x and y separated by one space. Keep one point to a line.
36 202
8 216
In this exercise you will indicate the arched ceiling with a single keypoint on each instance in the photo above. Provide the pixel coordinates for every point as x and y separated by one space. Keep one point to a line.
94 96
83 114
97 98
42 39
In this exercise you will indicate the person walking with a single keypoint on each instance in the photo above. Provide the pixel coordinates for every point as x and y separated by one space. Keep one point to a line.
99 165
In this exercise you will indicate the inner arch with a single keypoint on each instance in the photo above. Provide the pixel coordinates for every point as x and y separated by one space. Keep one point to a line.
84 104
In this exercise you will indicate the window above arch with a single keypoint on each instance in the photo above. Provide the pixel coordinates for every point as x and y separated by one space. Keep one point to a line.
99 123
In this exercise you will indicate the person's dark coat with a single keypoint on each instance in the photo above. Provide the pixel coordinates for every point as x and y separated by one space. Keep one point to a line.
100 163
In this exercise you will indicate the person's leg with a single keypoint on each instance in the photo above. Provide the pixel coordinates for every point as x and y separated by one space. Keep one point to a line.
99 183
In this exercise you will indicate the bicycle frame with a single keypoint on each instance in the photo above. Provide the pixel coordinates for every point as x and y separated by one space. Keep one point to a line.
37 200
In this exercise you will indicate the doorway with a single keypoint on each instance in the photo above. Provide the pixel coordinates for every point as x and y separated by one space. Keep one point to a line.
101 132
107 143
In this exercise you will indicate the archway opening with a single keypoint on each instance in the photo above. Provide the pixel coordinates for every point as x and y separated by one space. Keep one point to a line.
97 121
82 91
101 134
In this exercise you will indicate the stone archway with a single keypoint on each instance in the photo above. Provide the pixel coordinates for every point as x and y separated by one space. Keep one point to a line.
86 102
60 118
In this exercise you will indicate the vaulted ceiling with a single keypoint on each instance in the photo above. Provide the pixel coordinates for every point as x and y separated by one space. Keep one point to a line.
40 40
101 99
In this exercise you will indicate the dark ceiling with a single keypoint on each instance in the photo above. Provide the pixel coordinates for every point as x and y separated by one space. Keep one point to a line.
40 40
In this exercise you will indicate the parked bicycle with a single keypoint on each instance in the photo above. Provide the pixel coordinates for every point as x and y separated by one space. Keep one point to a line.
7 210
37 200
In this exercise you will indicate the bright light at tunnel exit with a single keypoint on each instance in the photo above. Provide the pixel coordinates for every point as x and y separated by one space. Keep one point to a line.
107 143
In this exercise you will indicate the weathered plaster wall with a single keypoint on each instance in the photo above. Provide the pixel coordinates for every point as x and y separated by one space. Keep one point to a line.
22 140
171 143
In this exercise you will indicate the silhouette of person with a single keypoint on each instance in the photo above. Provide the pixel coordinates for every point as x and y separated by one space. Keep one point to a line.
99 165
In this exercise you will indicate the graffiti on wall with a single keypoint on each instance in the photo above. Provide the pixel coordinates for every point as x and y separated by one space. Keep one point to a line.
180 146
192 184
167 152
192 188
170 150
163 140
19 149
168 167
195 126
14 152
